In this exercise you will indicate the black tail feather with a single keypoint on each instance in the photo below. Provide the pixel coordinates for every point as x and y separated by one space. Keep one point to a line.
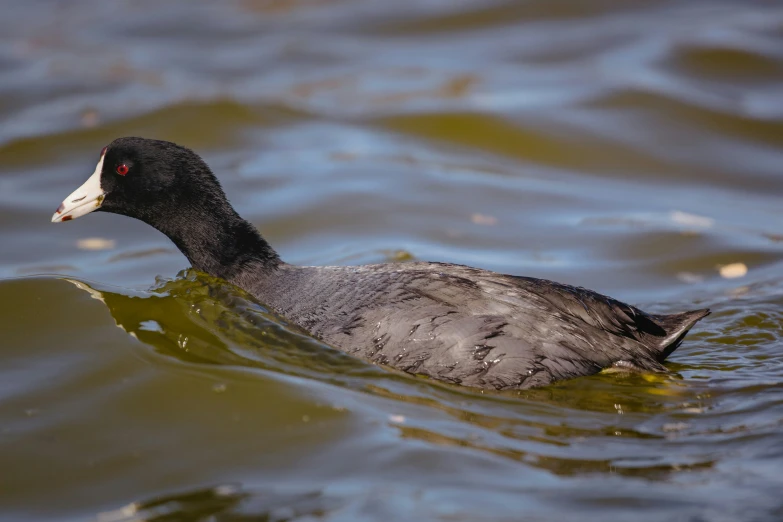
676 327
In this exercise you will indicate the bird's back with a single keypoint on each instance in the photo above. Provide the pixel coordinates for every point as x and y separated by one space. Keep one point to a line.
470 326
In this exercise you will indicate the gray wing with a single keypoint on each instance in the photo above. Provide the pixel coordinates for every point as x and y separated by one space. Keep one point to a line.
473 327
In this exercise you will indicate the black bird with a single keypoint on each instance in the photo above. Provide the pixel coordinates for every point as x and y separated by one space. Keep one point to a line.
449 322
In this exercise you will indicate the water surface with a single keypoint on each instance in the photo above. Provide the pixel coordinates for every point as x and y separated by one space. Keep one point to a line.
630 147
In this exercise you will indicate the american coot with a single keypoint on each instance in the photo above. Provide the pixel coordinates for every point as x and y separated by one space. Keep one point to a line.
450 322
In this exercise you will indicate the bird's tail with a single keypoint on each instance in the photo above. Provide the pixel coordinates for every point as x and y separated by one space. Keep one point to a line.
676 327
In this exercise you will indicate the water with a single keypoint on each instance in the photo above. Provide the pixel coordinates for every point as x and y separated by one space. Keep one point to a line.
630 147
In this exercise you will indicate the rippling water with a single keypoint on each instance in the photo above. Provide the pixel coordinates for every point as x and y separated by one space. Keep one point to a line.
631 147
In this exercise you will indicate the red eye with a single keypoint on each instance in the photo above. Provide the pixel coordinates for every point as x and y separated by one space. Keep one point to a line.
122 169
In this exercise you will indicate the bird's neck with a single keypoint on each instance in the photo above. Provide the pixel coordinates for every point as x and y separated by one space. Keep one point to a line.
216 240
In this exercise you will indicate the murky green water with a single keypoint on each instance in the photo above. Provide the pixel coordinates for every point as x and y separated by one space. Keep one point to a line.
631 147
